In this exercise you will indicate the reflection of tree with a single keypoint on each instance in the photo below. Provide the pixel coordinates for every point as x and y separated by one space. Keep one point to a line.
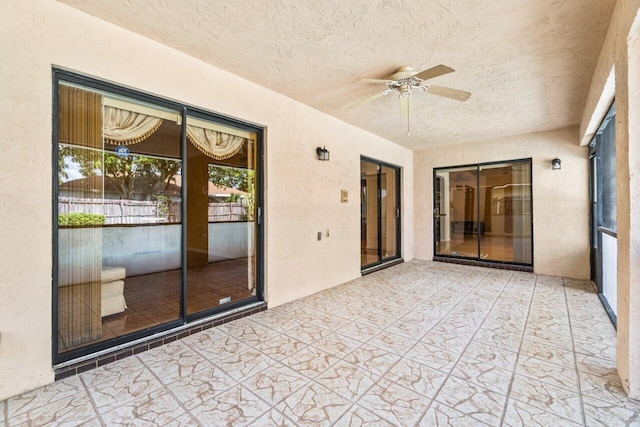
240 179
147 176
227 177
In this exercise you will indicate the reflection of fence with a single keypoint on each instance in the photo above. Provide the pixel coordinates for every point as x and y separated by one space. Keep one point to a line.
146 212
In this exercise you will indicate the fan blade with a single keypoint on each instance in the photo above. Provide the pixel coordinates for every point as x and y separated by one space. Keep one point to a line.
368 99
374 81
447 92
436 71
406 106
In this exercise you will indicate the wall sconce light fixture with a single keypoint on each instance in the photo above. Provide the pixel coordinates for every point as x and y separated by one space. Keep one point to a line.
323 154
555 164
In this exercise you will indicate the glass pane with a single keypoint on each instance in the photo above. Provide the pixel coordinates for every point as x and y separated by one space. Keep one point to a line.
456 212
369 213
221 236
505 212
388 211
119 217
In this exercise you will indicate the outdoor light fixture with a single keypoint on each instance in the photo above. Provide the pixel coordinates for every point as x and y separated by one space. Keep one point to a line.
323 154
555 164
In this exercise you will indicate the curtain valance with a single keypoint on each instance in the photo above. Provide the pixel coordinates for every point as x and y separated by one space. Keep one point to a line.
214 144
123 127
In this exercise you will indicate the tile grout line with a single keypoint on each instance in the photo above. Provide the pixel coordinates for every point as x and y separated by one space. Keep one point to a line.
448 374
575 359
515 367
93 403
170 392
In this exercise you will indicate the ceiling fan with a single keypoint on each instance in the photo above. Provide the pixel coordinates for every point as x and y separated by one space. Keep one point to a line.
405 80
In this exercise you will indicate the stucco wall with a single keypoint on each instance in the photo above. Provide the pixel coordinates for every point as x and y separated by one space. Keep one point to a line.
303 194
560 198
621 53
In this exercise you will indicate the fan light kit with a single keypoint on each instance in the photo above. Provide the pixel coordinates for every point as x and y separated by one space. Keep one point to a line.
405 80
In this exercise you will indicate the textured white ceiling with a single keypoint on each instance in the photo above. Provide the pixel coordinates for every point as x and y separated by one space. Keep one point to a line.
528 63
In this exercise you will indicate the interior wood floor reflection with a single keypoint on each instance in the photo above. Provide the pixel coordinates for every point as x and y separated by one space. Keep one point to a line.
495 248
154 299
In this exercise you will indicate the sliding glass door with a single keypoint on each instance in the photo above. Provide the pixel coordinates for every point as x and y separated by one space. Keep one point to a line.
604 229
156 215
484 212
380 212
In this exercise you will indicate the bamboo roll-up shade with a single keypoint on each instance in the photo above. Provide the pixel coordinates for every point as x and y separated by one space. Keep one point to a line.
80 117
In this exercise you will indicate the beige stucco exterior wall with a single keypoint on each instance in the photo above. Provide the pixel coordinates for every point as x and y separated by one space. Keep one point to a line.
302 193
621 53
560 198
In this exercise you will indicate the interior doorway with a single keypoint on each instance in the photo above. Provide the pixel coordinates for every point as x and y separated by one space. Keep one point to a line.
379 212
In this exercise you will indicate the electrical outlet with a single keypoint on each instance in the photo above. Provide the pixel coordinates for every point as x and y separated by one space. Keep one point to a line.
319 235
327 233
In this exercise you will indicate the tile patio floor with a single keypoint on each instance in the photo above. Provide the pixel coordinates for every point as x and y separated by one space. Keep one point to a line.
421 343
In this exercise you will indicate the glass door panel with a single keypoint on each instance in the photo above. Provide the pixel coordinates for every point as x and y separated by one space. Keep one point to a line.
389 211
456 212
369 247
119 226
380 211
221 215
505 212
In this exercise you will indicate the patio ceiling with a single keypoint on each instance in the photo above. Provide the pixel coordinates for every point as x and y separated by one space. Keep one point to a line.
528 63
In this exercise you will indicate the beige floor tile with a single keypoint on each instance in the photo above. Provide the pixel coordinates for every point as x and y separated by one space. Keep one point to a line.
194 391
488 353
122 388
415 376
447 338
329 321
244 364
520 414
607 414
472 400
360 417
236 406
273 418
308 333
275 383
337 345
26 402
163 352
185 420
607 388
180 366
156 408
375 351
410 329
359 331
394 343
547 372
394 403
509 342
314 405
549 353
280 347
547 397
75 409
432 356
310 361
439 415
373 359
347 379
483 374
219 348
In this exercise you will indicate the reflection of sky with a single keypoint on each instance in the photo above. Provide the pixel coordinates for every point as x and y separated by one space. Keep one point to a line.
72 169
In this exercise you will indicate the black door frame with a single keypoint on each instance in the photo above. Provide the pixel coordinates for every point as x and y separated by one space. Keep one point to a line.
58 75
398 214
478 166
